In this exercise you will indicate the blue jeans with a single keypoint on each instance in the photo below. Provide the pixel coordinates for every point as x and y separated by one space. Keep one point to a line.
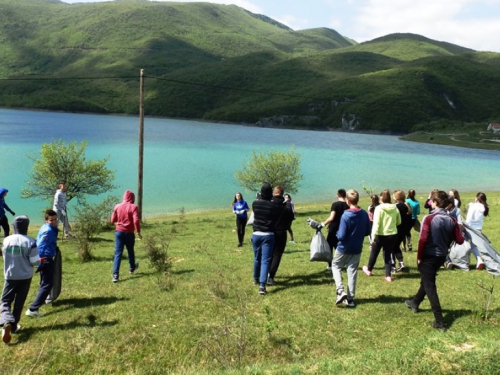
124 239
263 254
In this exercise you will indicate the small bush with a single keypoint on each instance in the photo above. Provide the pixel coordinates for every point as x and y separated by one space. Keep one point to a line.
157 252
91 220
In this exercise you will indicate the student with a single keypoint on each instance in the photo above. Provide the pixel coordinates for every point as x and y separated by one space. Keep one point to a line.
333 221
61 207
288 198
415 211
280 230
20 255
47 244
384 234
4 222
403 228
126 217
240 209
354 226
266 213
476 213
439 230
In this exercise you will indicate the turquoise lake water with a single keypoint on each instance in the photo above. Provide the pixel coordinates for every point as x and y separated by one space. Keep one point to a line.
191 164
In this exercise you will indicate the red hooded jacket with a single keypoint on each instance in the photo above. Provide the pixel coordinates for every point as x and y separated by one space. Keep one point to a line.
126 214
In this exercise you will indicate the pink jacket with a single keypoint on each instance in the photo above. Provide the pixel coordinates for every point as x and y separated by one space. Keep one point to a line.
126 214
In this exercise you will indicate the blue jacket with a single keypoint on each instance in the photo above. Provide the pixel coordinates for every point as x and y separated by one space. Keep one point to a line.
46 241
3 205
241 206
354 226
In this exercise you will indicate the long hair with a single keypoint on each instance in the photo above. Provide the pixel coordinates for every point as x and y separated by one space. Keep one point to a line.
411 194
385 196
235 199
456 196
481 198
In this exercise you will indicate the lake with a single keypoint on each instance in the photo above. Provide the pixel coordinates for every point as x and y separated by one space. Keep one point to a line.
191 164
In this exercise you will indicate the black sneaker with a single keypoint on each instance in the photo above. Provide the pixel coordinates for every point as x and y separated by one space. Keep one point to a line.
135 268
441 326
115 278
411 305
350 303
262 291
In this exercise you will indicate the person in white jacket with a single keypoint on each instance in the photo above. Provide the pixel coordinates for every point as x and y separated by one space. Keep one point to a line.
475 217
60 207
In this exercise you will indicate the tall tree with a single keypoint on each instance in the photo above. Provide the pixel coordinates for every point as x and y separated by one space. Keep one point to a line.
61 161
276 167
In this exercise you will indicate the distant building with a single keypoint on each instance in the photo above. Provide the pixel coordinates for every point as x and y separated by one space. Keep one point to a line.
495 127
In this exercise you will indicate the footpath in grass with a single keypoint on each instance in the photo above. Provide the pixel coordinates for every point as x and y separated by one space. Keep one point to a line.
208 318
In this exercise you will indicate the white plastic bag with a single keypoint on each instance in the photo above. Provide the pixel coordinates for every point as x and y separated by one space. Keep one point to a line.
320 250
251 219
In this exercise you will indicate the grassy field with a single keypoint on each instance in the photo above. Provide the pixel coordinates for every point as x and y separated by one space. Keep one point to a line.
480 140
207 316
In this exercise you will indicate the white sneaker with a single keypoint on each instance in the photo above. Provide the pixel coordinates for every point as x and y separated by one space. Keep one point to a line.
341 298
34 314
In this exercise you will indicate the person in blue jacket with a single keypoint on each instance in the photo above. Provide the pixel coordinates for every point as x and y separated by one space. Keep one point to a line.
240 208
4 222
46 242
354 227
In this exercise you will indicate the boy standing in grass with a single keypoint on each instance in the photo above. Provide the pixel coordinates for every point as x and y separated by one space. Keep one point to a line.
438 231
354 226
20 255
61 207
47 245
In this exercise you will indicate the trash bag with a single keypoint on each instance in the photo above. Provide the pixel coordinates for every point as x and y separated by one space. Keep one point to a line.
460 255
251 219
320 250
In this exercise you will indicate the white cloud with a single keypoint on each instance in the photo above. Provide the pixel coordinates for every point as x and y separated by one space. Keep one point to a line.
437 19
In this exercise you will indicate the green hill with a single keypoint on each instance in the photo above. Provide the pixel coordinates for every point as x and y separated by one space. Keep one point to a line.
223 63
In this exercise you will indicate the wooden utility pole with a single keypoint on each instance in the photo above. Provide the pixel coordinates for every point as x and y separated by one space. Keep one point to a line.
141 142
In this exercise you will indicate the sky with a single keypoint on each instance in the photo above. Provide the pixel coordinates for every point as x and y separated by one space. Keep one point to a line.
468 23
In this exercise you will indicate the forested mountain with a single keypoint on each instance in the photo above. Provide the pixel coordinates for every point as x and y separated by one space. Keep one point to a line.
223 63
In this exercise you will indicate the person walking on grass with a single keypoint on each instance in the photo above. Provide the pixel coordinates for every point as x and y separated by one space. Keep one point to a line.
403 228
266 213
20 255
415 211
354 227
61 207
333 221
386 218
4 222
47 245
126 218
288 199
438 232
240 209
280 230
476 213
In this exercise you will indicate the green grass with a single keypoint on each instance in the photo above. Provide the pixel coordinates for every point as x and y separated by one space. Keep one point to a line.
212 319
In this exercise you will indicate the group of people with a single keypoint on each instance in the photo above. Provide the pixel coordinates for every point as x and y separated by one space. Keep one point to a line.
23 253
273 214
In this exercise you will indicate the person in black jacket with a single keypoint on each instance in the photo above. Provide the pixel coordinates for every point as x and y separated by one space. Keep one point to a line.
280 230
266 214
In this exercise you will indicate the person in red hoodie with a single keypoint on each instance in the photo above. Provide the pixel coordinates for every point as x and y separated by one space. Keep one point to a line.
126 217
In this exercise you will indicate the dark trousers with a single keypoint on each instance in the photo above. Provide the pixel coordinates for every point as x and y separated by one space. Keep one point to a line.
428 269
5 225
333 241
240 228
279 249
14 291
386 243
46 283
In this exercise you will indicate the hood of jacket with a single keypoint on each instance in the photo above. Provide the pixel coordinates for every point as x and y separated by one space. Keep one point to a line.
266 191
388 207
3 191
129 197
21 224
